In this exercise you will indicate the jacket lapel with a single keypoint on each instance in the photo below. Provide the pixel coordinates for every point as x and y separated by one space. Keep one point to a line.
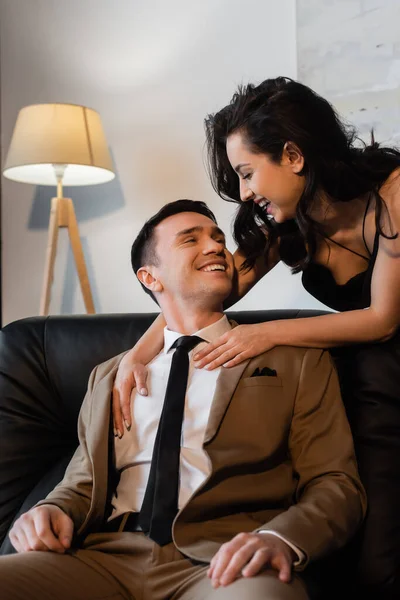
227 382
98 436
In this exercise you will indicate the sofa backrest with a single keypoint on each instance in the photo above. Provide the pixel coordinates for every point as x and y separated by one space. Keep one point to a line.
45 363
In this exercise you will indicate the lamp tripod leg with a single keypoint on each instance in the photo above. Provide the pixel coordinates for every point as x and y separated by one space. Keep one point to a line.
50 258
76 245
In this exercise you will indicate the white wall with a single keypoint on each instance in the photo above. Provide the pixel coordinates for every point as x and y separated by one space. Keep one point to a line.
153 70
349 51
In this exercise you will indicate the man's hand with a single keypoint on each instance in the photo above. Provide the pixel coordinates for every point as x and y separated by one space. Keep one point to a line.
247 554
45 528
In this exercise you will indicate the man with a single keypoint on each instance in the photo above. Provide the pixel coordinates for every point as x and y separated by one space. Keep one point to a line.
222 488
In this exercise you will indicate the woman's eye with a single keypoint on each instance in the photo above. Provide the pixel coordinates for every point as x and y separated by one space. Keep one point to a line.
190 240
248 176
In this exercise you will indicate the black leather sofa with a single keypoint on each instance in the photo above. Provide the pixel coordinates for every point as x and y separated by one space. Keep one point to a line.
45 364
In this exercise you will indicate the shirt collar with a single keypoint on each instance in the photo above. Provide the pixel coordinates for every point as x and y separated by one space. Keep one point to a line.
209 333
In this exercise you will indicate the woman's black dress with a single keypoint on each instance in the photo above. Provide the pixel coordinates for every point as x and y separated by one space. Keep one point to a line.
370 381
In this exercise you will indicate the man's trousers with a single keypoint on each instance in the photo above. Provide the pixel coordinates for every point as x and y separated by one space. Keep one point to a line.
128 566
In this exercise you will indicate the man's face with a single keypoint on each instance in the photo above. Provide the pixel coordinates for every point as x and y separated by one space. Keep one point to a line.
193 262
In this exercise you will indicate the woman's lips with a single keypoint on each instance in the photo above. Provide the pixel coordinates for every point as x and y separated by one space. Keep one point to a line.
265 205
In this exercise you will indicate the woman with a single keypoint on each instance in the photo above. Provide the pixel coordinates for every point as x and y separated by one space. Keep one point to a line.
312 195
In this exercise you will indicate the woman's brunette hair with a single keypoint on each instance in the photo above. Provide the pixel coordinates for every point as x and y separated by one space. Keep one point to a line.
269 115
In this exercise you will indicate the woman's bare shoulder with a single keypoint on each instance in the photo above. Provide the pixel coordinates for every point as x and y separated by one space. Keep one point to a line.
390 189
390 194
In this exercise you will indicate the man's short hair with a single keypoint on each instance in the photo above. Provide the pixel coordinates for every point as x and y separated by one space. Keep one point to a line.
143 250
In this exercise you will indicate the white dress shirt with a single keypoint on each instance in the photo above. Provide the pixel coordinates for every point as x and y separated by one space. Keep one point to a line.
133 452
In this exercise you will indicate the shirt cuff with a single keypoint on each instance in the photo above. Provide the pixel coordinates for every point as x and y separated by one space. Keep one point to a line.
301 557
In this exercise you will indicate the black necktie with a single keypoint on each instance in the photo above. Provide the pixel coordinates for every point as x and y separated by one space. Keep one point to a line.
160 503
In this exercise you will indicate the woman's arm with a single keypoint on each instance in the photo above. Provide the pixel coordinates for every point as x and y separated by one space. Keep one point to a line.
244 280
133 372
377 323
339 329
151 342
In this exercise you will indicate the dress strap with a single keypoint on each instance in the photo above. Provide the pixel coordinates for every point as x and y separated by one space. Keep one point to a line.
367 258
363 225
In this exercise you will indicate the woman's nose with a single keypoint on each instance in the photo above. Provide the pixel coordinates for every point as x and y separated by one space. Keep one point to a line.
245 192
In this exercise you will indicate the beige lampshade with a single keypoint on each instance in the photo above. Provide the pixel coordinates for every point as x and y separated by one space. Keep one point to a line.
58 134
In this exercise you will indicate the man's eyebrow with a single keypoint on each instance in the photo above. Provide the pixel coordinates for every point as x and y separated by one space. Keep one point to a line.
219 231
238 167
189 230
198 229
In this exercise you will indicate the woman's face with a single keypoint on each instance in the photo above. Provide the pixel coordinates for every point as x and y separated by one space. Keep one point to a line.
275 187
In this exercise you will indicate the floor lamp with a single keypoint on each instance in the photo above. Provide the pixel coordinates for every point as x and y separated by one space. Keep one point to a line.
60 144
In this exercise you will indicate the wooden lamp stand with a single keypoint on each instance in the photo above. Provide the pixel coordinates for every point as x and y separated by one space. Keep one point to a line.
62 214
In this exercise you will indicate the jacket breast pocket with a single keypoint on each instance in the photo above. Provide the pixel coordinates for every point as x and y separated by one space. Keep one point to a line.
263 380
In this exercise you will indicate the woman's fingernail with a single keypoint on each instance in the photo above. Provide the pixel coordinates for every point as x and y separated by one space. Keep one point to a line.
119 434
143 391
115 432
127 425
196 364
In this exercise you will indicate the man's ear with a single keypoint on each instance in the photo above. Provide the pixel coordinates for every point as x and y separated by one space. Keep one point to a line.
293 157
147 276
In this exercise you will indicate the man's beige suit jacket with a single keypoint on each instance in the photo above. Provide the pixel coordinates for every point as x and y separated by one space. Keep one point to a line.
281 458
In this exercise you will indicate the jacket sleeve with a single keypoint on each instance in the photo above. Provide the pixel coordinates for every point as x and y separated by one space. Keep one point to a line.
330 500
74 493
